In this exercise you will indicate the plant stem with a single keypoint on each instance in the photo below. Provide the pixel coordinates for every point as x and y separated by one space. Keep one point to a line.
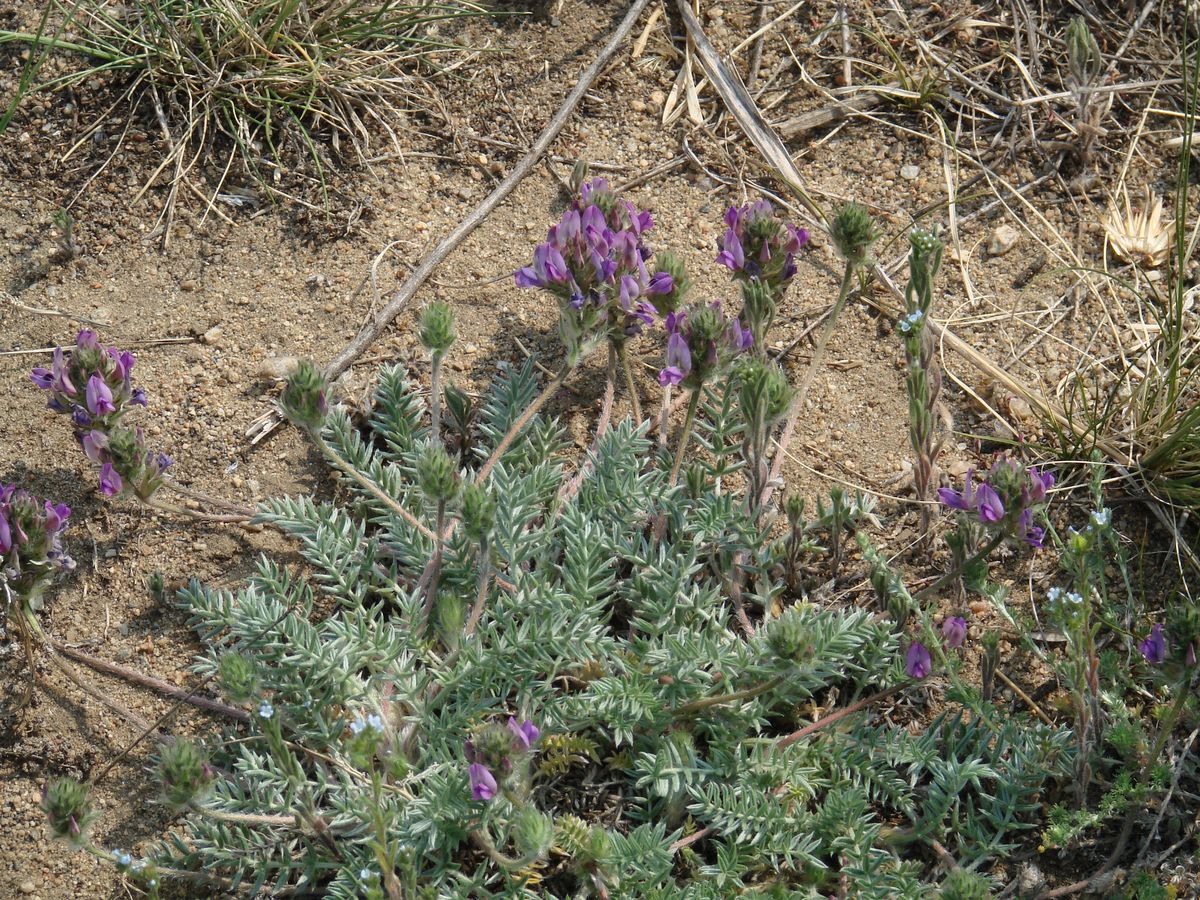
630 386
991 545
480 590
435 397
436 562
164 506
663 416
685 435
250 819
173 485
369 486
839 714
797 404
571 488
522 420
746 694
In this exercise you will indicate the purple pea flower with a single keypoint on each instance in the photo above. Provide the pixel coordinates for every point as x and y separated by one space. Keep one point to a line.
964 499
95 443
954 630
991 509
6 541
1033 535
56 516
679 360
138 397
732 256
99 397
483 783
1039 483
525 735
59 381
87 340
1154 648
43 378
918 664
110 480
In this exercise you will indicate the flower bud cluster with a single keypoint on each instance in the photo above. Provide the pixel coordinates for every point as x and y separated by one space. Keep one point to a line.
30 540
701 341
93 385
498 755
1008 496
594 262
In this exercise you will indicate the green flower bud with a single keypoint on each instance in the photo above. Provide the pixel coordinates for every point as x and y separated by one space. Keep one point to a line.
787 637
185 773
436 474
695 478
758 299
238 677
156 586
763 391
68 808
478 513
1083 53
303 400
451 615
963 884
853 233
437 327
533 832
794 507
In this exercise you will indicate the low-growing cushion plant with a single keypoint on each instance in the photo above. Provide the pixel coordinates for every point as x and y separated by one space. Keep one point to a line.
612 677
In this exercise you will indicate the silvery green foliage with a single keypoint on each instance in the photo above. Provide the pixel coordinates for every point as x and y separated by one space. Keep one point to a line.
614 624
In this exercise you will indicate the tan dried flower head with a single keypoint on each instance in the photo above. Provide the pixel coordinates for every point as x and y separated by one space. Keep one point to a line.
1139 236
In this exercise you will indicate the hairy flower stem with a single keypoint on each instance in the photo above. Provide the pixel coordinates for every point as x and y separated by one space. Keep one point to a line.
481 589
571 488
436 562
230 518
838 715
630 386
31 622
748 693
173 485
369 486
518 426
957 571
664 416
685 436
797 404
435 397
249 819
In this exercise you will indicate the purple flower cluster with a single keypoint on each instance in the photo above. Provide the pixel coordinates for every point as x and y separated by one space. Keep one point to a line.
30 539
1009 494
93 384
699 340
594 261
757 244
494 752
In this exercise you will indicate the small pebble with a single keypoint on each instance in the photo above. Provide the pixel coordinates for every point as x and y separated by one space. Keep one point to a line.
1003 239
187 285
213 335
910 173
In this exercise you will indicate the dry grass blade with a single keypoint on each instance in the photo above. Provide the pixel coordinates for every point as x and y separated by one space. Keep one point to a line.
743 108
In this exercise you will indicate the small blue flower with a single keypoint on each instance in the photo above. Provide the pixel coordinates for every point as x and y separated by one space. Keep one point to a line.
1073 598
1101 518
122 858
911 321
1054 594
361 724
266 710
364 874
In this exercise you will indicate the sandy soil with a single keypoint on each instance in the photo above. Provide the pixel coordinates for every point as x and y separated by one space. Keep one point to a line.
211 317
